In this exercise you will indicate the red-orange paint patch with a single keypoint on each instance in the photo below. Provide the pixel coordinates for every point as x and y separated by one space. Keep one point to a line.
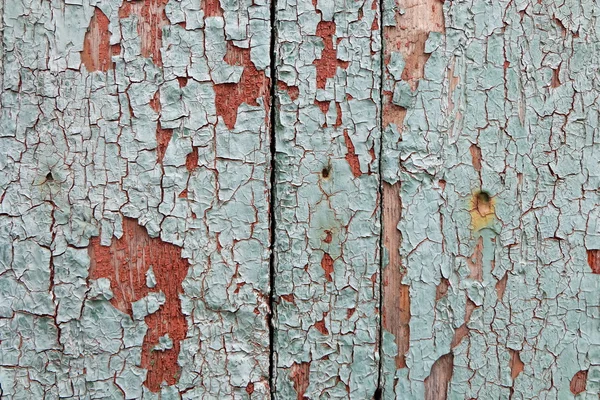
151 19
212 8
338 111
501 286
579 382
163 137
292 91
327 65
320 325
555 82
475 262
191 160
323 105
182 80
593 257
155 102
350 312
97 51
516 365
250 388
289 298
125 262
475 157
351 156
327 265
252 85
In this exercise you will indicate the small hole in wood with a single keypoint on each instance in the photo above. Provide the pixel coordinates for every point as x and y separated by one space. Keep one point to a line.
49 177
325 172
483 203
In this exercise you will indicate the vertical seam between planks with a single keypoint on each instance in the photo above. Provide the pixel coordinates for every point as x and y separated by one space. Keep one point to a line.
1 58
271 204
378 391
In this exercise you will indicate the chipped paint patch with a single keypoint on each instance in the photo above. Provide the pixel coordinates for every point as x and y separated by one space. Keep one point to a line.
436 384
328 62
97 51
253 85
126 263
593 260
579 382
151 18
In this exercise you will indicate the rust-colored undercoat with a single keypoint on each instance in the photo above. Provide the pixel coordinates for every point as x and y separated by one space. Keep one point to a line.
442 289
593 257
191 160
163 137
396 299
516 365
151 19
293 91
155 102
476 157
327 265
320 325
253 84
351 156
579 382
299 376
97 51
289 298
323 105
125 262
327 65
211 8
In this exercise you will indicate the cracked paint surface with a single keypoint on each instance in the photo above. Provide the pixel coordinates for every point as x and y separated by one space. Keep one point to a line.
135 168
326 293
493 156
134 199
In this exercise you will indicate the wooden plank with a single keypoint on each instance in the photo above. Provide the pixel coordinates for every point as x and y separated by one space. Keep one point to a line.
134 199
489 140
405 32
326 283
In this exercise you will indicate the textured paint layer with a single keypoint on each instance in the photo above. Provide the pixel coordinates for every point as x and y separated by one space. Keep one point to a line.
326 293
139 266
134 206
490 148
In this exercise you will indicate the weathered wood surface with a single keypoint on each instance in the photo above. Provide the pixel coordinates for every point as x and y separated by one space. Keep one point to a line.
305 199
142 126
326 210
490 174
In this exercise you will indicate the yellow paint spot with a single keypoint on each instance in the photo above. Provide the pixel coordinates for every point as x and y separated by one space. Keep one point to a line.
482 210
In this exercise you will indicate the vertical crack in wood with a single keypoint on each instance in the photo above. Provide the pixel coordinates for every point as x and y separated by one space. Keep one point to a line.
379 390
272 78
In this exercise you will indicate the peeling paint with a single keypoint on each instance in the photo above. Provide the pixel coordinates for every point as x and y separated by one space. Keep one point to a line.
491 146
135 199
136 220
125 263
326 206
